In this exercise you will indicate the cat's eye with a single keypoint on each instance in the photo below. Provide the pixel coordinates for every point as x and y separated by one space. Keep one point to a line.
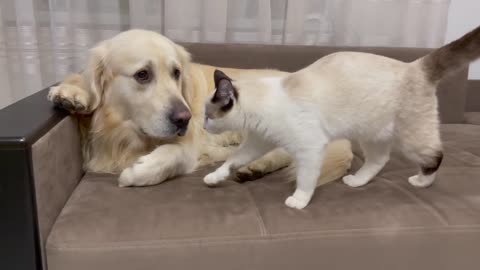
143 76
176 73
227 107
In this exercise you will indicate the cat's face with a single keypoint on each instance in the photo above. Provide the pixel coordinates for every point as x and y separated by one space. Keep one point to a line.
220 109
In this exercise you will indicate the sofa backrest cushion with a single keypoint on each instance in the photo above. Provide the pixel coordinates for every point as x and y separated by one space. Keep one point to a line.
451 92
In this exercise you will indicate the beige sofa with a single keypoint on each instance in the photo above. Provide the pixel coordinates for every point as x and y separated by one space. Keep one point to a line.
56 216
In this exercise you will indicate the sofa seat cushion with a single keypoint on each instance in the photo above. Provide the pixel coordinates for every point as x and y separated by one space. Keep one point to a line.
182 224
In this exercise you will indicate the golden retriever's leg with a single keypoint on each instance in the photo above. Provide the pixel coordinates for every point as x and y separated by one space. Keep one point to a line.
215 154
270 162
164 162
72 95
337 161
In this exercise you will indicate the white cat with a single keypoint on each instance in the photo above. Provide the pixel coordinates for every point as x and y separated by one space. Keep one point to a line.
378 101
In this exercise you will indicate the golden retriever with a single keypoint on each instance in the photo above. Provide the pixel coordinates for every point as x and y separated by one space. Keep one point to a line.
140 105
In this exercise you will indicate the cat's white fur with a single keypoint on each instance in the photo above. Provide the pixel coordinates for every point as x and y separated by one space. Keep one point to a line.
377 101
368 101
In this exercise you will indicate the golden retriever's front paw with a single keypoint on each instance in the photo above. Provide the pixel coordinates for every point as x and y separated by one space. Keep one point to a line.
145 172
126 178
70 97
139 174
136 177
253 171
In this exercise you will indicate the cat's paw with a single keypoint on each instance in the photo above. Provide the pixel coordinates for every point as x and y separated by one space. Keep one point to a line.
296 203
216 177
70 97
421 181
353 181
299 199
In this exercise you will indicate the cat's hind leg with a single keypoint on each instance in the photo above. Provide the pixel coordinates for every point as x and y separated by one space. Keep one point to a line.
418 137
428 154
377 154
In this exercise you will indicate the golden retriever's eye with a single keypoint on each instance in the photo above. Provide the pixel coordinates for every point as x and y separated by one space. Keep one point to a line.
176 73
143 76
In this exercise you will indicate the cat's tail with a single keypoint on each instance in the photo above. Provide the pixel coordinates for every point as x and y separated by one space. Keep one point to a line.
452 56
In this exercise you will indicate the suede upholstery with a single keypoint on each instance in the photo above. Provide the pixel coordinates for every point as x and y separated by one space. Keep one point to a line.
472 118
57 155
473 96
182 224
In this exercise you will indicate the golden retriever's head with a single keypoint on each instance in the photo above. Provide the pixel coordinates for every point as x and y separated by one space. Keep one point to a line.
140 77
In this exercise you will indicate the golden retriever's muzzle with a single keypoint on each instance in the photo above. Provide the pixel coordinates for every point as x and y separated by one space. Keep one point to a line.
179 117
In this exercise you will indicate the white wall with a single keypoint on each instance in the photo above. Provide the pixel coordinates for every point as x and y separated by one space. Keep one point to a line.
463 16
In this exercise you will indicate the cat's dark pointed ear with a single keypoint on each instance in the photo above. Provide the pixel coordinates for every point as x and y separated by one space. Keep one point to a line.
225 92
218 76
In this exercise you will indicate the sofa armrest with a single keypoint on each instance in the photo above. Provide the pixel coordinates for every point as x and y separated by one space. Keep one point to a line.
40 165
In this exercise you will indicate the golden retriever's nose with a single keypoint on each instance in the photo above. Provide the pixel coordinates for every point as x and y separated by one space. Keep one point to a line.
180 118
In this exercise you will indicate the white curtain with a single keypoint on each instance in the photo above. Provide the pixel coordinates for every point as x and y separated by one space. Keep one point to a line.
43 40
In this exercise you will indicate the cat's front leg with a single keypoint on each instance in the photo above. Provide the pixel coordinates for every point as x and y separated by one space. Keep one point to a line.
252 148
219 175
309 167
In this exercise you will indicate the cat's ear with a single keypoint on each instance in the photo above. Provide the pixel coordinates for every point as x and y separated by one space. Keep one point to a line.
225 92
218 76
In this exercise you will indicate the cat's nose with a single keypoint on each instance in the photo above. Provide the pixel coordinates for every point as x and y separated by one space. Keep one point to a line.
180 118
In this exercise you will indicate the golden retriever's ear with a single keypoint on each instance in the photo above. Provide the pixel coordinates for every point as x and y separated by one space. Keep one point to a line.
185 60
185 57
97 73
